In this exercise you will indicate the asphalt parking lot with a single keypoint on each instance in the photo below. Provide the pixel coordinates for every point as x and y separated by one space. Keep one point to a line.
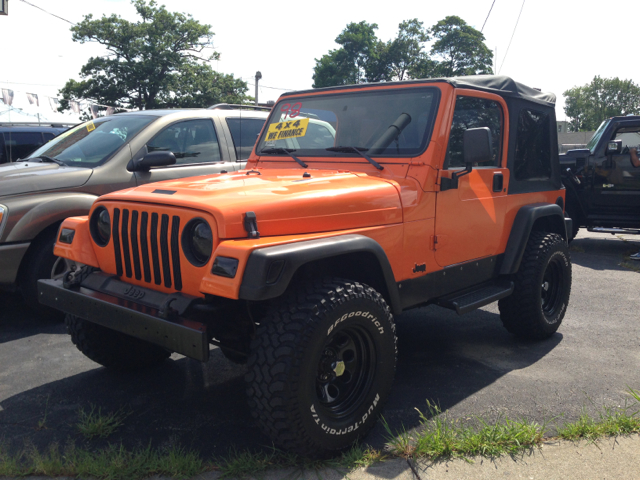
468 365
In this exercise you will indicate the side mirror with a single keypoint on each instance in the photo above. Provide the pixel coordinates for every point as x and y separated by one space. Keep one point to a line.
476 144
614 147
159 158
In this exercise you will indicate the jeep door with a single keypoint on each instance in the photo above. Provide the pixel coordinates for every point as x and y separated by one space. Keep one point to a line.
470 218
616 182
196 146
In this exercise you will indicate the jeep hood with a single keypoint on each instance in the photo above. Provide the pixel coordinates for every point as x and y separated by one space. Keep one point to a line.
29 177
284 201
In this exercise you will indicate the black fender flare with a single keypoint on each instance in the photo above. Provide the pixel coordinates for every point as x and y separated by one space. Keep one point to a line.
269 270
521 230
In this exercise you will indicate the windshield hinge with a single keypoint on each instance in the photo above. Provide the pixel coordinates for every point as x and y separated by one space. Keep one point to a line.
251 225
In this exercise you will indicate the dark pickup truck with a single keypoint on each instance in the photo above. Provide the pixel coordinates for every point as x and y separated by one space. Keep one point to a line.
603 180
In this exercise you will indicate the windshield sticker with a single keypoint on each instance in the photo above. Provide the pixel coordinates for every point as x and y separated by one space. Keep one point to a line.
292 110
90 127
291 129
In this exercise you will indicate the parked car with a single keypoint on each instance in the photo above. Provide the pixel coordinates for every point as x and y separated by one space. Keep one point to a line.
394 196
603 184
63 177
18 141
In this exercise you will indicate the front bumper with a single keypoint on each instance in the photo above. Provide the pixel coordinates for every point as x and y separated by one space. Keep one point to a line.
10 258
102 299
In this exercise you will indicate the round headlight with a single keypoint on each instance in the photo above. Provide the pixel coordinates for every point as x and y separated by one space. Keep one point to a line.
100 226
197 242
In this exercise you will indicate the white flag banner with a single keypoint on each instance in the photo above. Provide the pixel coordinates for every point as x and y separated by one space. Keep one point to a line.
94 111
54 103
33 99
110 111
75 107
7 96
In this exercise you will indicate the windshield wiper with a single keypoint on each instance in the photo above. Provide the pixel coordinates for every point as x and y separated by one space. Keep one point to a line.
359 151
45 159
287 151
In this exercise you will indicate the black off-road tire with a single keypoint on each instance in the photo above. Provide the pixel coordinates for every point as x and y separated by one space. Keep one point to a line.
540 298
321 366
113 349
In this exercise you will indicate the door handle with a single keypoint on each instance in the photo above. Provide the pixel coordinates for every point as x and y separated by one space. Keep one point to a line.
498 182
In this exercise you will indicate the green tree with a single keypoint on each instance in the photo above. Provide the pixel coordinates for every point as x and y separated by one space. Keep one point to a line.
587 106
157 62
405 53
458 50
358 60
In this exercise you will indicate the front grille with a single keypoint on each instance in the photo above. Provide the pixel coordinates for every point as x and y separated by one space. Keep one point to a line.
131 238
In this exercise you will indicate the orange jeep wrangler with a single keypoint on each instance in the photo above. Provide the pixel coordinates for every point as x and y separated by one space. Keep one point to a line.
358 203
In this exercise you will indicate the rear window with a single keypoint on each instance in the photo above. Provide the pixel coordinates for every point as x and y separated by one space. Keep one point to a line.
21 144
244 132
533 146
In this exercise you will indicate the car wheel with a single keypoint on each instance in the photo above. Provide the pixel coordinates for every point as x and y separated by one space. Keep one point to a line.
113 349
540 297
321 366
42 263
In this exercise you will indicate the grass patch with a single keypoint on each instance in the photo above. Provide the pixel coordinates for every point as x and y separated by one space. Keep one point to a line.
443 437
242 464
112 463
96 424
440 437
630 266
575 248
42 423
610 422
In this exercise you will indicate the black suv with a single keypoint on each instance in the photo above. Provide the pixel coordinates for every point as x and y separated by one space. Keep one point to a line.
603 184
18 141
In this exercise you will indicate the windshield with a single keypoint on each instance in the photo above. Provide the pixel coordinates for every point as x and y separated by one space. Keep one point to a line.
380 122
596 136
92 143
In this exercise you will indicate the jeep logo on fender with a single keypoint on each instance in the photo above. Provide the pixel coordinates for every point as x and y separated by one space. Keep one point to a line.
133 292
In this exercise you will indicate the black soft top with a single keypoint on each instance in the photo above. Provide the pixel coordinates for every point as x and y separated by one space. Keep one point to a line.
498 84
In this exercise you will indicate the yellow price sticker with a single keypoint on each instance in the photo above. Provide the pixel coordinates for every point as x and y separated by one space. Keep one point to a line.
90 127
287 129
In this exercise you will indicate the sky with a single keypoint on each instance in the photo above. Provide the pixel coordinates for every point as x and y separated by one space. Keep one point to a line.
555 45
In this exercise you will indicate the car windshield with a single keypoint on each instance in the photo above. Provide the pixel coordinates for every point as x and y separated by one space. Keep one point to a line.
394 122
596 136
92 143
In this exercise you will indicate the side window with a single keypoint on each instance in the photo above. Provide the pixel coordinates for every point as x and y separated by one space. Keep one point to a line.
48 136
21 144
244 132
629 137
471 112
533 146
192 141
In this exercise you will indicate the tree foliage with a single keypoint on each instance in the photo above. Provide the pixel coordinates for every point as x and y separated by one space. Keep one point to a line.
457 49
587 106
356 61
157 62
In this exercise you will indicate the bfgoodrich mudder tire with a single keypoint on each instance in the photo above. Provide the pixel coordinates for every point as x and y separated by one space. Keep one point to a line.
113 349
321 366
539 300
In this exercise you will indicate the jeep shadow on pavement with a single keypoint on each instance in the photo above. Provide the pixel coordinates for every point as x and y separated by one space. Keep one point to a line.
200 406
297 265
